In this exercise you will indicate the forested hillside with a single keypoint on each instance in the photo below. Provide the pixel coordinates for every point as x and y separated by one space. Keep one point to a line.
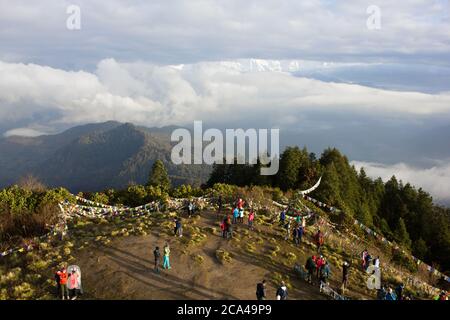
398 210
94 157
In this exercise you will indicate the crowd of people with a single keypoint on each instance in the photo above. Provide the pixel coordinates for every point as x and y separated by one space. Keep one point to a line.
294 225
236 217
388 293
367 259
318 271
317 267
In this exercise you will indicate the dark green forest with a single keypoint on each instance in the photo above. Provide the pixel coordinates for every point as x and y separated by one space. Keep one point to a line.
398 210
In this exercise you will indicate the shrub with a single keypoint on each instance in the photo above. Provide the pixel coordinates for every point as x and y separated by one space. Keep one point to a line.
228 192
38 265
223 256
156 194
12 276
291 257
199 258
277 195
250 248
25 214
100 197
4 294
23 291
183 191
404 260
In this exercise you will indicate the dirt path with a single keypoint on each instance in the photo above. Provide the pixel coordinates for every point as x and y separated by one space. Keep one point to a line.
123 269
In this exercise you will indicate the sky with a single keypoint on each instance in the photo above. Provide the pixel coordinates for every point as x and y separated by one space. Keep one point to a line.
327 73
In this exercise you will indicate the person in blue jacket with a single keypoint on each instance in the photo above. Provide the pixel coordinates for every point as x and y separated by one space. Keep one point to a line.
235 215
282 217
390 295
300 233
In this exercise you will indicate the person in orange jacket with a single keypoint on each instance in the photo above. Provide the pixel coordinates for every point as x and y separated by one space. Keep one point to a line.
63 283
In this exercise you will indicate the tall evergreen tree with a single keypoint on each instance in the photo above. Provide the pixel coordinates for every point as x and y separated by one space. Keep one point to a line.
290 163
159 176
420 248
329 190
401 233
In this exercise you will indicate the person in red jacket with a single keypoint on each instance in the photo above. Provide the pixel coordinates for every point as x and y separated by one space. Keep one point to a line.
251 218
240 204
63 283
320 261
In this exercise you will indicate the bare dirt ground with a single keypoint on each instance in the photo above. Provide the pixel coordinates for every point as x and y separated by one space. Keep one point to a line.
124 268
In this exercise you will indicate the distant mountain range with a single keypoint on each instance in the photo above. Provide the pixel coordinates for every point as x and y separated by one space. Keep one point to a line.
94 157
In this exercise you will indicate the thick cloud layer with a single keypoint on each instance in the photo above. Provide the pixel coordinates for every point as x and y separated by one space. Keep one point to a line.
222 93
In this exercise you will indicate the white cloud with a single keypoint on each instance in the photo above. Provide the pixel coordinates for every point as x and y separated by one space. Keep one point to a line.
435 179
23 132
154 95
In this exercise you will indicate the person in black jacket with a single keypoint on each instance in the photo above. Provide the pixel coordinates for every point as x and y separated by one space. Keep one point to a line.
310 266
345 274
178 227
58 284
399 291
157 256
261 290
381 293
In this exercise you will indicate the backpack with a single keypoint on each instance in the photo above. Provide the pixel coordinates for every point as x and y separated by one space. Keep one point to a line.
310 264
324 271
282 293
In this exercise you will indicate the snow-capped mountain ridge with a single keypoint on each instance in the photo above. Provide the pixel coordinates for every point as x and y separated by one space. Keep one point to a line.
248 65
262 65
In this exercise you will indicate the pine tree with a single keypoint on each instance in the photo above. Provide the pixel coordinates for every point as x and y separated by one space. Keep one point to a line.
385 229
329 190
159 176
290 163
401 233
363 213
420 248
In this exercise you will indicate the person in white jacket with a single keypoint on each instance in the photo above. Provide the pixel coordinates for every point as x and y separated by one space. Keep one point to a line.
376 262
